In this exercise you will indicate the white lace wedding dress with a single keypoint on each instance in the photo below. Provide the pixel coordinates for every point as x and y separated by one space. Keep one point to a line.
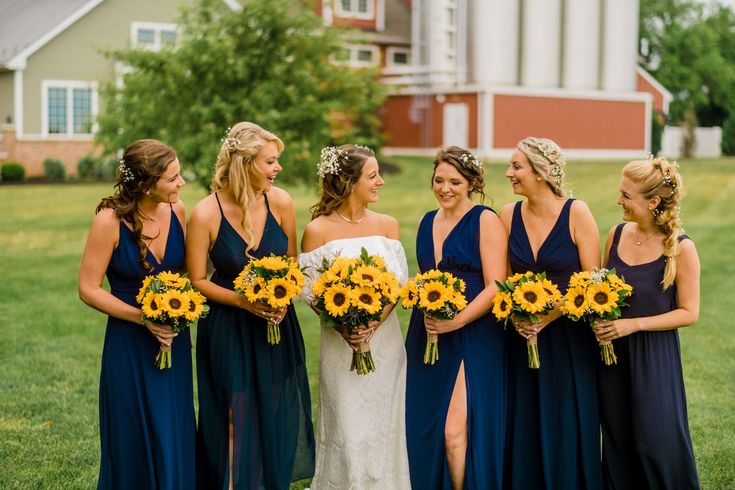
361 430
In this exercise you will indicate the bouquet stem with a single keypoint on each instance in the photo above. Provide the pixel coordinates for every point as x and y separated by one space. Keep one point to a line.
431 354
274 333
362 360
163 358
607 352
532 347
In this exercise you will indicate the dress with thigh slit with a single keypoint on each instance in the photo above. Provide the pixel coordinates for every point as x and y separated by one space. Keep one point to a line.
260 390
481 346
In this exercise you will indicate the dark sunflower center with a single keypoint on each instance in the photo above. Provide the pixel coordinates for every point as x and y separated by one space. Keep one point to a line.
503 305
368 277
154 305
174 303
279 292
433 296
601 298
530 296
339 299
257 288
192 306
578 300
366 298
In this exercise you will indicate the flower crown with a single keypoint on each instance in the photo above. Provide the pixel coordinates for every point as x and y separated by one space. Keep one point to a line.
556 159
667 180
470 159
126 174
230 143
329 161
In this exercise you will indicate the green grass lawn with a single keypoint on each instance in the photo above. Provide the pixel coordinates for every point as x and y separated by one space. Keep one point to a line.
50 343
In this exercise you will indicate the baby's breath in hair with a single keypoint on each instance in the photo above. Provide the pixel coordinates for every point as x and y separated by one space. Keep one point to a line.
329 161
126 174
556 159
230 142
470 159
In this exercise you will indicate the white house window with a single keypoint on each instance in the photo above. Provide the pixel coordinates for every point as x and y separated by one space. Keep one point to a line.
396 56
356 9
69 107
152 35
359 55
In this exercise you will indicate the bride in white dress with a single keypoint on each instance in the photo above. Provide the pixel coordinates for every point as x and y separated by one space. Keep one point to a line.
361 436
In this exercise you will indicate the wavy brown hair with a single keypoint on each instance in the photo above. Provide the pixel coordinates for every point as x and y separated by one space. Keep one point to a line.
235 171
659 177
142 164
336 187
455 156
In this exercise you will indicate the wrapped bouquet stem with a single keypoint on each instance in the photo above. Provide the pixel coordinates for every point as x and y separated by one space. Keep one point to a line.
532 348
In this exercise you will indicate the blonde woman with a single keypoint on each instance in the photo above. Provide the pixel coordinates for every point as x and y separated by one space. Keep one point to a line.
255 426
553 438
645 432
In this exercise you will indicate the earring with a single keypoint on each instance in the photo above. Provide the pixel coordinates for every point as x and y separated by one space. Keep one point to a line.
147 193
538 179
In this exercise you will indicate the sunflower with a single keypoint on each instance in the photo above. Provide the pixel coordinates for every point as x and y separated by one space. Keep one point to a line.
409 295
459 285
582 278
175 303
341 266
530 296
144 288
151 305
431 274
318 287
551 290
196 305
602 298
273 263
256 289
172 279
280 292
366 299
618 284
502 305
377 261
296 276
433 295
366 275
458 300
575 302
337 299
389 286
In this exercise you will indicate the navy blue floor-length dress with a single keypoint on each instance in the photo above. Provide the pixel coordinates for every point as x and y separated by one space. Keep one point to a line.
261 389
147 429
481 346
553 437
645 431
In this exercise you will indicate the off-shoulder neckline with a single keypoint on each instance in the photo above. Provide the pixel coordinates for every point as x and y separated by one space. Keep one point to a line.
351 238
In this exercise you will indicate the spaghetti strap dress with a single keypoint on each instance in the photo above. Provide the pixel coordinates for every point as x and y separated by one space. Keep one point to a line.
553 439
261 391
147 428
481 346
645 431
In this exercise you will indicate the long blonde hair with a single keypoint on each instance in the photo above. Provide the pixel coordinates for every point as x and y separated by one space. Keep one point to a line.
236 172
659 177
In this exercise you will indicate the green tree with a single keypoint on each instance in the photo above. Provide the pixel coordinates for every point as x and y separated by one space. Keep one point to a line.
269 63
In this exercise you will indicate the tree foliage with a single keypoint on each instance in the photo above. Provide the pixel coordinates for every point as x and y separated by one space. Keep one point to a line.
691 51
268 63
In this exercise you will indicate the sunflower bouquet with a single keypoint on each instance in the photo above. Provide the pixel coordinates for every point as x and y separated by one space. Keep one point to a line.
439 295
595 296
352 292
273 280
169 299
525 297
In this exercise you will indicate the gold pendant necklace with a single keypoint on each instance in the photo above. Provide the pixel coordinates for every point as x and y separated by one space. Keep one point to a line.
351 221
638 241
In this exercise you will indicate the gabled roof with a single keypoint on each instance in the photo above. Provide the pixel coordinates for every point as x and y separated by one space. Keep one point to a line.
26 25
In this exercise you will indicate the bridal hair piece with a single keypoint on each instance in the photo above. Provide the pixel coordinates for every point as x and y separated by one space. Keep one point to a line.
470 159
329 160
230 143
126 175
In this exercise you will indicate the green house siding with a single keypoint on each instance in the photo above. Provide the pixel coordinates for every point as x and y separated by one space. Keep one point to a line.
7 107
75 54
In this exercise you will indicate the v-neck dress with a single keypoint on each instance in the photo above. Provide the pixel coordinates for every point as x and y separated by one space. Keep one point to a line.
481 346
262 389
553 439
645 431
146 414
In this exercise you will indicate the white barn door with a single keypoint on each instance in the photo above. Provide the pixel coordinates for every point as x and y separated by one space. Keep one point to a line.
456 122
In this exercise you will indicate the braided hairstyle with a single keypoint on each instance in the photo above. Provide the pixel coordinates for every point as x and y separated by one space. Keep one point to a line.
235 169
345 168
546 160
142 164
466 164
659 177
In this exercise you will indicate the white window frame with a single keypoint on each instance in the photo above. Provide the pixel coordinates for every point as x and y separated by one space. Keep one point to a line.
353 13
354 62
157 28
390 51
69 85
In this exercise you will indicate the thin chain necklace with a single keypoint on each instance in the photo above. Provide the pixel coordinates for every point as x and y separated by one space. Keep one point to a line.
638 241
351 221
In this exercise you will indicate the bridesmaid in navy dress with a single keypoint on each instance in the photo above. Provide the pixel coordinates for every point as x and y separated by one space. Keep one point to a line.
255 428
553 439
146 414
456 408
645 432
